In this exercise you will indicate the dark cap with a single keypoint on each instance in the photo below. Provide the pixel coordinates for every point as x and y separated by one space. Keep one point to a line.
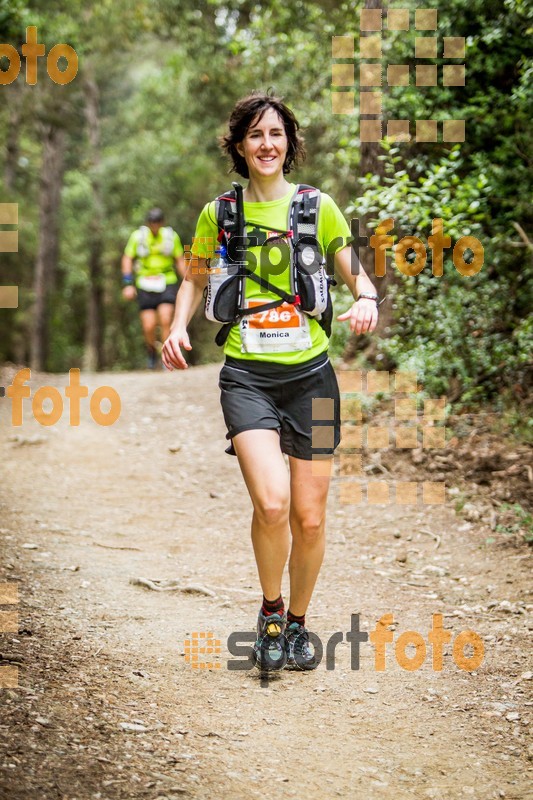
155 215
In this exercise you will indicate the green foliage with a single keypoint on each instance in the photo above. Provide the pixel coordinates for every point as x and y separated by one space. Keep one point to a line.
169 72
517 521
464 336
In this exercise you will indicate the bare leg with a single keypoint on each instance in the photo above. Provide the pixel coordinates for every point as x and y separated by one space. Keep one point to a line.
148 322
266 477
165 314
309 494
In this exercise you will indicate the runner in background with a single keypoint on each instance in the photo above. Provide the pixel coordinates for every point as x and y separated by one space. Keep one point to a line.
152 265
276 366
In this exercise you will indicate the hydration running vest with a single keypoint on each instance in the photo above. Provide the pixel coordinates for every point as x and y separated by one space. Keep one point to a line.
167 242
309 281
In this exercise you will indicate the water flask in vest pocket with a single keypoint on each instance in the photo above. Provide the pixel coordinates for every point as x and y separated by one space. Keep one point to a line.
312 279
223 289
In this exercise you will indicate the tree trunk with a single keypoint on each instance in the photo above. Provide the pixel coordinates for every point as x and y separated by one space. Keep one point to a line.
92 358
14 95
53 139
370 163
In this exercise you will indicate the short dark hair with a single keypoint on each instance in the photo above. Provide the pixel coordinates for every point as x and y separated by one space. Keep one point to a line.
245 111
155 215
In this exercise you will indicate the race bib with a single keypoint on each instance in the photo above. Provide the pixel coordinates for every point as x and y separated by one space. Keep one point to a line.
277 330
152 283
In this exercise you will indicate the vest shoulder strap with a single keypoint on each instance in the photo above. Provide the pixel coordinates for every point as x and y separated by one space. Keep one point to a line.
303 213
226 213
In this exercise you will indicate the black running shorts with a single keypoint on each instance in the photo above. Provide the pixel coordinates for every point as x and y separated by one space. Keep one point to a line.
266 396
151 300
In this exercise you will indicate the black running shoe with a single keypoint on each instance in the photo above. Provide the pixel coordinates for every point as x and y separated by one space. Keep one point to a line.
270 650
151 358
299 654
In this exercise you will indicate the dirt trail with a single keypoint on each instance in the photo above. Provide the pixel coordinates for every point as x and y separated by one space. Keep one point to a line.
96 654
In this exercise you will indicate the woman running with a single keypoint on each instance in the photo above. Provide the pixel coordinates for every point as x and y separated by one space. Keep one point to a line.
277 379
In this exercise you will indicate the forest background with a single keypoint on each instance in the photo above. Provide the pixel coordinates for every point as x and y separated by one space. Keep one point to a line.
138 127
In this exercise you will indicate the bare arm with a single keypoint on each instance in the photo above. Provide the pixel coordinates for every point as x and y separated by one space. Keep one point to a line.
363 314
128 292
127 265
181 269
189 298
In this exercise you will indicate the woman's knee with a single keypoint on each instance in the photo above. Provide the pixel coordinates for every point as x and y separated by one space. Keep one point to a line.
309 529
272 511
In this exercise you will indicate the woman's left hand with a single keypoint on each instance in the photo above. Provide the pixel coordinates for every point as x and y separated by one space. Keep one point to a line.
363 316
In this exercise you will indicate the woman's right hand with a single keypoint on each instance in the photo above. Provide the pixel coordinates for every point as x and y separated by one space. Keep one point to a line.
171 354
129 292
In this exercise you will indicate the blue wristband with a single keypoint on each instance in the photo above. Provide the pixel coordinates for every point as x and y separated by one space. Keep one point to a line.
127 280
